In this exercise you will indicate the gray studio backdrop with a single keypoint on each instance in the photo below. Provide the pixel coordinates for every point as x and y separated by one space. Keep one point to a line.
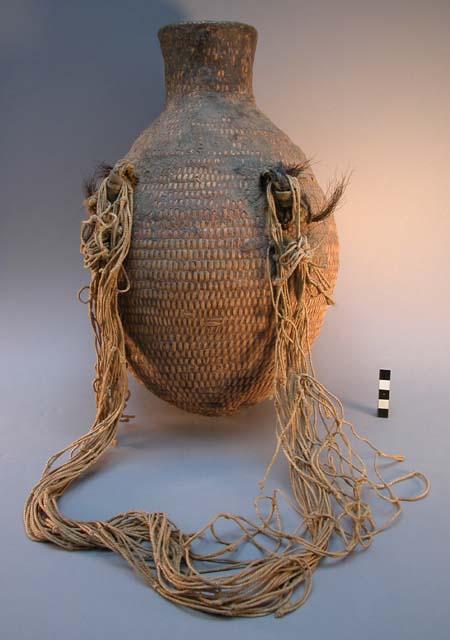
361 86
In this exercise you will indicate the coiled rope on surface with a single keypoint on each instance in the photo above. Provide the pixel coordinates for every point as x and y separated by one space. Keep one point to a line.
330 484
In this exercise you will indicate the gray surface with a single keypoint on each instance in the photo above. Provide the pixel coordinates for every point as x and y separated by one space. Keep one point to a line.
377 105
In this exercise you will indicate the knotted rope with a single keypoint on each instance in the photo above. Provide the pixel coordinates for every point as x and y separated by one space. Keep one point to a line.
328 477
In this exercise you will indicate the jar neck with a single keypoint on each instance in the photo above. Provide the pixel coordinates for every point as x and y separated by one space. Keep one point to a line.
208 57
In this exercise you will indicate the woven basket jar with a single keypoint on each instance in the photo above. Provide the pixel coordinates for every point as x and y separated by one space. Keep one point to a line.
198 318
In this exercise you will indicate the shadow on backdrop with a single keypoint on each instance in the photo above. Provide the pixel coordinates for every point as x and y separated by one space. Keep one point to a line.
80 81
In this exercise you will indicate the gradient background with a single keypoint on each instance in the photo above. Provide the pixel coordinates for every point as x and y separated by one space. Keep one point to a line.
362 86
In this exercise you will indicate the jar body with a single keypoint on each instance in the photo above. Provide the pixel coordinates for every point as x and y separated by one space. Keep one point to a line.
198 319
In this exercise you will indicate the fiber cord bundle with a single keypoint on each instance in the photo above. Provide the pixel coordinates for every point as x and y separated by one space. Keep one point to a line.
328 477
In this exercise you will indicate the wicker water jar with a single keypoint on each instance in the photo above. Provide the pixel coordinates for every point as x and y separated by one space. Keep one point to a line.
198 318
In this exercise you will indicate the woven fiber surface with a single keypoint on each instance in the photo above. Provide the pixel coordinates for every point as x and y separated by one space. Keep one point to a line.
198 317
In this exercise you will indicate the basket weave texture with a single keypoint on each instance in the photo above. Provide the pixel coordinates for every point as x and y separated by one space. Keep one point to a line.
198 318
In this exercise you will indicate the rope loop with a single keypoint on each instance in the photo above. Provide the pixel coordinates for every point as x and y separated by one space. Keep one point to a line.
326 469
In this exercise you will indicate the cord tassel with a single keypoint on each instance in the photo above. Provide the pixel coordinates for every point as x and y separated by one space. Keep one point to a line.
329 480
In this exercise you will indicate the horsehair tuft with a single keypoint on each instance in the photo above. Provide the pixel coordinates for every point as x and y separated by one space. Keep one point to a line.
91 183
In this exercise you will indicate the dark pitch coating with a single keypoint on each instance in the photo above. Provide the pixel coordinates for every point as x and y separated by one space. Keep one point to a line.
198 318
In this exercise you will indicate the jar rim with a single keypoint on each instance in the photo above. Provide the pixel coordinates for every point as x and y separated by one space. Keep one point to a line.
205 23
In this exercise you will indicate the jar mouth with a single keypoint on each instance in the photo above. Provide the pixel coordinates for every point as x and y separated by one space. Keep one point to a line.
192 24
